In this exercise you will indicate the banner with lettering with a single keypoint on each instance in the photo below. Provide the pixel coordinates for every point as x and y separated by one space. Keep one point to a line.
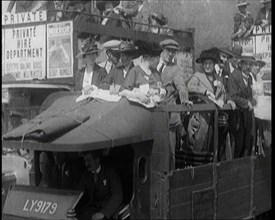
60 50
25 52
23 18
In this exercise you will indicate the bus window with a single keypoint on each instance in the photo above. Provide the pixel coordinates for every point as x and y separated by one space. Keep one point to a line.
142 170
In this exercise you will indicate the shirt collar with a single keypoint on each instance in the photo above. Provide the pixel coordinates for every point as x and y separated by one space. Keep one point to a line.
98 170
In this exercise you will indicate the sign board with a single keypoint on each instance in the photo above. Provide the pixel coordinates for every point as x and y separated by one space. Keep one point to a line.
22 18
60 50
40 203
203 204
25 52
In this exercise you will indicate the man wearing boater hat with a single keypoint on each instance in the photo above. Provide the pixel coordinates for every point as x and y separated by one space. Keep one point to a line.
264 15
174 83
92 74
117 75
240 89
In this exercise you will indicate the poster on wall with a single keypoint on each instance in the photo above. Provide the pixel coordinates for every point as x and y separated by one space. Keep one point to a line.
25 52
60 50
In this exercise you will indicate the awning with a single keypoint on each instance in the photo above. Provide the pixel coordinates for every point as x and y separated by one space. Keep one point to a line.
88 125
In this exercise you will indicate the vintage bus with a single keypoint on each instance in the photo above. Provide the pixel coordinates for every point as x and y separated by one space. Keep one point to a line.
136 141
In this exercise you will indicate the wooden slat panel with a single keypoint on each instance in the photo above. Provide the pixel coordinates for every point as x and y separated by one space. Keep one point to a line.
183 211
262 197
161 142
184 194
233 182
160 120
263 175
231 168
234 204
262 162
191 176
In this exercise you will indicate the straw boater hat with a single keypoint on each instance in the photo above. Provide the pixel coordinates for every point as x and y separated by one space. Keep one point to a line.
242 3
101 4
247 57
169 44
258 60
88 47
205 55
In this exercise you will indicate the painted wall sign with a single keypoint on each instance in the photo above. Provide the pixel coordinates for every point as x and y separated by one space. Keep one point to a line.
203 204
41 203
25 52
60 50
22 18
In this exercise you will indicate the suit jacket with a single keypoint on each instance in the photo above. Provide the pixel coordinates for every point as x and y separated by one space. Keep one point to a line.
99 74
116 76
105 195
174 83
239 92
262 16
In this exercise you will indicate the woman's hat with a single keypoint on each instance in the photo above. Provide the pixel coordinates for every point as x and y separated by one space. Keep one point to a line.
159 17
112 44
113 55
258 60
101 4
205 55
129 48
16 113
149 49
89 46
242 3
265 1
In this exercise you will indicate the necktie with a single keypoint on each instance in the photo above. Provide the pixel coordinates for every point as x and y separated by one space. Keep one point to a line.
161 68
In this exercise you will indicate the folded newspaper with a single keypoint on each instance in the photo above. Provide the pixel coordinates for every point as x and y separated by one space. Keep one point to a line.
100 94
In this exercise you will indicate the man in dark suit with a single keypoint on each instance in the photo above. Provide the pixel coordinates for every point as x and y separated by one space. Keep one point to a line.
102 189
264 15
127 52
240 90
92 74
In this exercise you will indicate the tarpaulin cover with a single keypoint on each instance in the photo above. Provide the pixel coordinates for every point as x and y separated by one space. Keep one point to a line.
89 122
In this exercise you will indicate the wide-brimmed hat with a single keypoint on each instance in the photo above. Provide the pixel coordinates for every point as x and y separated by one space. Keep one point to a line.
242 3
259 60
265 1
101 4
15 113
89 46
112 44
148 48
169 44
129 48
207 54
247 57
160 18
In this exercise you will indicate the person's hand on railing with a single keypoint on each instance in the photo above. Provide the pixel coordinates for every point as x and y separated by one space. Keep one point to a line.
188 103
232 104
210 95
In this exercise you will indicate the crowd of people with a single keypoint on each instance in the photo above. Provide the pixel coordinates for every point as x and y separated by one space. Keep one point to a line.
244 21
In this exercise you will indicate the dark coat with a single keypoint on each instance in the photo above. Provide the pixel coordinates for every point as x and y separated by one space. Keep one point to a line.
99 74
262 16
116 76
105 196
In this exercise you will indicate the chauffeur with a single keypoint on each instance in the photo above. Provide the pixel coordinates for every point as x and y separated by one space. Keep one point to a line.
102 189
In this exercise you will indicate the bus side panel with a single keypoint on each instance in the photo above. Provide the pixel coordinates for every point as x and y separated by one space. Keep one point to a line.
262 184
234 189
182 184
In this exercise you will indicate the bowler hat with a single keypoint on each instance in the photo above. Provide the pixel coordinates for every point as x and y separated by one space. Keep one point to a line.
205 55
242 3
169 44
88 47
160 18
129 48
148 48
237 50
226 51
101 4
258 60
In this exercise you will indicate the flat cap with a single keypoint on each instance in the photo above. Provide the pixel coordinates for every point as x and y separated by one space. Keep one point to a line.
170 44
